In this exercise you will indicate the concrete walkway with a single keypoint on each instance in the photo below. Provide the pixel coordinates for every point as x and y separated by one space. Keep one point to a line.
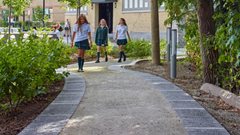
116 101
123 102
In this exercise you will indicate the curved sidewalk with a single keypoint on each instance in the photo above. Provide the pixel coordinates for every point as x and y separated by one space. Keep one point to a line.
53 119
123 102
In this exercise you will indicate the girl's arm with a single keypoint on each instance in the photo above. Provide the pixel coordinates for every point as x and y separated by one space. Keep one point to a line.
107 36
116 36
90 39
73 37
96 36
129 38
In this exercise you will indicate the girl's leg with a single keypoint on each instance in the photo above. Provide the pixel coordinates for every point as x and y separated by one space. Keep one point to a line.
123 54
98 54
106 54
79 60
82 52
120 47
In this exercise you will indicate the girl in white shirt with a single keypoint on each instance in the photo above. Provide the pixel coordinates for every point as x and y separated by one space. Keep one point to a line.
121 38
82 39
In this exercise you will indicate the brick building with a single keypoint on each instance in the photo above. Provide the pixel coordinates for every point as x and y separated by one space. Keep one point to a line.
54 10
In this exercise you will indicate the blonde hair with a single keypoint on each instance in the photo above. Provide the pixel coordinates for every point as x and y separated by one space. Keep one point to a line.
79 22
105 22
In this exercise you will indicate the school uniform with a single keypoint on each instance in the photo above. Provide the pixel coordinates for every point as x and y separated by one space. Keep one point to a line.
122 40
122 34
101 39
81 41
81 37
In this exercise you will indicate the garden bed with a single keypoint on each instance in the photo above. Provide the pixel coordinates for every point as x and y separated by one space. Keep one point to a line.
13 123
188 80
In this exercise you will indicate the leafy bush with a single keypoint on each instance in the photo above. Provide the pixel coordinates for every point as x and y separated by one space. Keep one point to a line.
111 49
227 40
192 39
27 66
142 48
138 49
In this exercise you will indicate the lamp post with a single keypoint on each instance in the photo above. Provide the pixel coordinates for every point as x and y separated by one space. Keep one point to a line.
29 13
10 16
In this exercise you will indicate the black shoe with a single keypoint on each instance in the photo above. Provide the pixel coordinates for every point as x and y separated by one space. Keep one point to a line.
97 61
119 61
106 59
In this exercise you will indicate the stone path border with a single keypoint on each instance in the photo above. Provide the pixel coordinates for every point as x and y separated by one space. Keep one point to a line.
53 119
196 120
225 95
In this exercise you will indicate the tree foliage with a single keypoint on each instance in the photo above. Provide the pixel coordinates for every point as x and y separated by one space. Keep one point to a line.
224 40
18 5
74 3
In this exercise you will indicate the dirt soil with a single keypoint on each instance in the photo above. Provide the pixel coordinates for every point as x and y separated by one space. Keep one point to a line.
12 124
189 81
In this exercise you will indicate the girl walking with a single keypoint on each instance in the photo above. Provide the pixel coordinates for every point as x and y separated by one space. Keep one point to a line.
82 39
121 38
101 39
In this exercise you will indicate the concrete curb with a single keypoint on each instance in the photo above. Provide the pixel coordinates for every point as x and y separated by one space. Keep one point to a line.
195 119
225 95
53 119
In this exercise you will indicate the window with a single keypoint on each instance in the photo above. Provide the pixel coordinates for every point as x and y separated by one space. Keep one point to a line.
136 5
5 16
139 5
84 9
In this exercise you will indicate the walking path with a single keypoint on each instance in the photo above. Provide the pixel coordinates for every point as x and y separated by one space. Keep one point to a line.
122 102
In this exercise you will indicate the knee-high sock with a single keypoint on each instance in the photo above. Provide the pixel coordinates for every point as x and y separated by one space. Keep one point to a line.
106 54
123 53
82 64
98 55
79 62
120 55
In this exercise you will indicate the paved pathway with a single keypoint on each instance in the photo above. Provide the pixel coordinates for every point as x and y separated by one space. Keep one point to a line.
56 115
116 101
123 102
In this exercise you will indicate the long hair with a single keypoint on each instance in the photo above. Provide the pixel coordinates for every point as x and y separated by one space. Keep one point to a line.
79 22
124 21
104 22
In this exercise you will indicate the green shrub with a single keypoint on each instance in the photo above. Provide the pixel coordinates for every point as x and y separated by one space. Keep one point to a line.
111 49
142 48
27 66
138 49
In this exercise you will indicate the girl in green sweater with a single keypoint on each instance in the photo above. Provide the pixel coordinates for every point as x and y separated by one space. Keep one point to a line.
101 39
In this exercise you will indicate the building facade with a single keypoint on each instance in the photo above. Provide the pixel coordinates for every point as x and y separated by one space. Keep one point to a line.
53 9
136 12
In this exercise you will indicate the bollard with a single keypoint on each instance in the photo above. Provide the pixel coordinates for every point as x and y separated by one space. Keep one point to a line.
174 55
169 38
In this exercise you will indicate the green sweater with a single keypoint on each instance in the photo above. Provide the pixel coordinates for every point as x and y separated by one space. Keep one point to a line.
102 34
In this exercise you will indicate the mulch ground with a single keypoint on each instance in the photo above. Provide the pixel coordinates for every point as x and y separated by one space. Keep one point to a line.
12 124
188 80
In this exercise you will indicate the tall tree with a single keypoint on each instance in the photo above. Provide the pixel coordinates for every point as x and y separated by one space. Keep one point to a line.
155 32
207 32
205 10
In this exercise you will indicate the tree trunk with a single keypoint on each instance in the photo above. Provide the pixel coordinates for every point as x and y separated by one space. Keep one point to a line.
155 32
79 8
207 32
43 13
